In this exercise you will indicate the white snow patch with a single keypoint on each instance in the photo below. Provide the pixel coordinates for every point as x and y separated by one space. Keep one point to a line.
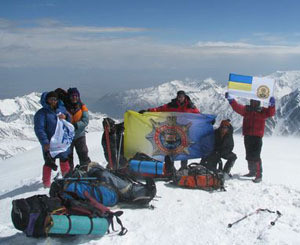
181 216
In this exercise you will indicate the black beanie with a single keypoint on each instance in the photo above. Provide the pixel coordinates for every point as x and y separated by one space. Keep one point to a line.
181 92
72 91
51 94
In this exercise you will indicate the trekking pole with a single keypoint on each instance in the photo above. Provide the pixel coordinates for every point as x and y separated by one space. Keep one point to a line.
255 212
81 178
239 220
119 151
106 130
278 216
272 223
115 143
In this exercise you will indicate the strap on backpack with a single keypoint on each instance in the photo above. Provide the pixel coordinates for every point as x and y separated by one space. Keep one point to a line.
109 213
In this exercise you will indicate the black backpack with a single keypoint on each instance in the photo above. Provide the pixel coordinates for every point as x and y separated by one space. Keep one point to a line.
32 215
113 144
28 215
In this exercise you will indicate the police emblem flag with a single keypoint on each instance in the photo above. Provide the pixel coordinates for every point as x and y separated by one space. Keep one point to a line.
180 135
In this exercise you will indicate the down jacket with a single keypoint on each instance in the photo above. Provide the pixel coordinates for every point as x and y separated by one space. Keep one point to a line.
174 106
224 145
45 120
79 118
254 120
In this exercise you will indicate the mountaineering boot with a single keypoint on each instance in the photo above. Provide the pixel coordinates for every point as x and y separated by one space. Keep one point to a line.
46 176
183 165
228 165
257 180
64 167
258 175
252 169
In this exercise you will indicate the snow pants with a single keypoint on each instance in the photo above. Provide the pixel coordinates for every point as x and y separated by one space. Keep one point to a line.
253 145
82 152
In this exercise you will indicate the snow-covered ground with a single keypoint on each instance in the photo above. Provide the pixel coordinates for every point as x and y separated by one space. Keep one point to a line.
181 216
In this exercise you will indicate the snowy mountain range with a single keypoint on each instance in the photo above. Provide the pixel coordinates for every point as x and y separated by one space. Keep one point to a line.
208 96
16 115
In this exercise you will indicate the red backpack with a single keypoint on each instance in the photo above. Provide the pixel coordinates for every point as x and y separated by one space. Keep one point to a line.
196 176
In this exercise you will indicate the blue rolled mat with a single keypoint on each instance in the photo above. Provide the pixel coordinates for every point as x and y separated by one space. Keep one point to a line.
78 225
147 167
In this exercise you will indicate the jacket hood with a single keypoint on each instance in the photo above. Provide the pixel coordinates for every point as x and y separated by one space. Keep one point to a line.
45 104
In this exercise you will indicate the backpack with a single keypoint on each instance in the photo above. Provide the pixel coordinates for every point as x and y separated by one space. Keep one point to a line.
29 215
113 144
40 215
126 188
103 193
197 176
129 189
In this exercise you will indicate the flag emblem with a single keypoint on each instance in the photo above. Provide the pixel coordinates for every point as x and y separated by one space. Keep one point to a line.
169 137
263 92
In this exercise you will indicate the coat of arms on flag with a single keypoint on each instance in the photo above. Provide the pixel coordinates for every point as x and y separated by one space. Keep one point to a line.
178 135
258 88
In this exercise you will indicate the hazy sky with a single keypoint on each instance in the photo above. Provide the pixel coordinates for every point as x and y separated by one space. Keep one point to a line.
102 46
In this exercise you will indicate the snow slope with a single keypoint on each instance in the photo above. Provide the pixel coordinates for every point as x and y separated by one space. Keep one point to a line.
181 216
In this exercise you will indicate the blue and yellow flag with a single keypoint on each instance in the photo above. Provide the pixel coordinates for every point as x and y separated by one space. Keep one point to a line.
258 88
180 135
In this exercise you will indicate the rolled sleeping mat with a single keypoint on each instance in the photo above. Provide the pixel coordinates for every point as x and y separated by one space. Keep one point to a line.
146 167
78 225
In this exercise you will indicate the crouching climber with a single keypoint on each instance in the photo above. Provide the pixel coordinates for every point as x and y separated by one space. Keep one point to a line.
223 149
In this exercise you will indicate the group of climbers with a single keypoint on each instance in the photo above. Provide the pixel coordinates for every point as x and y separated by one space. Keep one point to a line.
67 105
61 105
253 131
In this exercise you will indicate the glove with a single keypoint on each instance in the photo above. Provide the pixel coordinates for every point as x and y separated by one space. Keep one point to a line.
272 101
229 97
49 161
142 111
46 147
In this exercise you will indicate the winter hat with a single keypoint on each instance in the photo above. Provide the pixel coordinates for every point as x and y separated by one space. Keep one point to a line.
51 94
181 92
225 123
255 102
72 91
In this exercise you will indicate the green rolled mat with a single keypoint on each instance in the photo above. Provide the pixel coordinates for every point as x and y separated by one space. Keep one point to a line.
78 225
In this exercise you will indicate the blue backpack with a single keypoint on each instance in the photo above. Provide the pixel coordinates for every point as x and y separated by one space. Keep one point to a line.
103 193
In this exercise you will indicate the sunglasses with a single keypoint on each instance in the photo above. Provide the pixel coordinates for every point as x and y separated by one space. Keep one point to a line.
52 99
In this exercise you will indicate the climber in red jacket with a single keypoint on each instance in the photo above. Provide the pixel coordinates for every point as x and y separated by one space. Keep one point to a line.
253 130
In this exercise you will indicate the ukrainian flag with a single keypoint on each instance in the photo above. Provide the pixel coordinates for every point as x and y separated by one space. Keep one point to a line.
258 88
239 82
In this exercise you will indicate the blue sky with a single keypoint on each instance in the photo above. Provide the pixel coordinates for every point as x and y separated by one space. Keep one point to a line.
105 46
